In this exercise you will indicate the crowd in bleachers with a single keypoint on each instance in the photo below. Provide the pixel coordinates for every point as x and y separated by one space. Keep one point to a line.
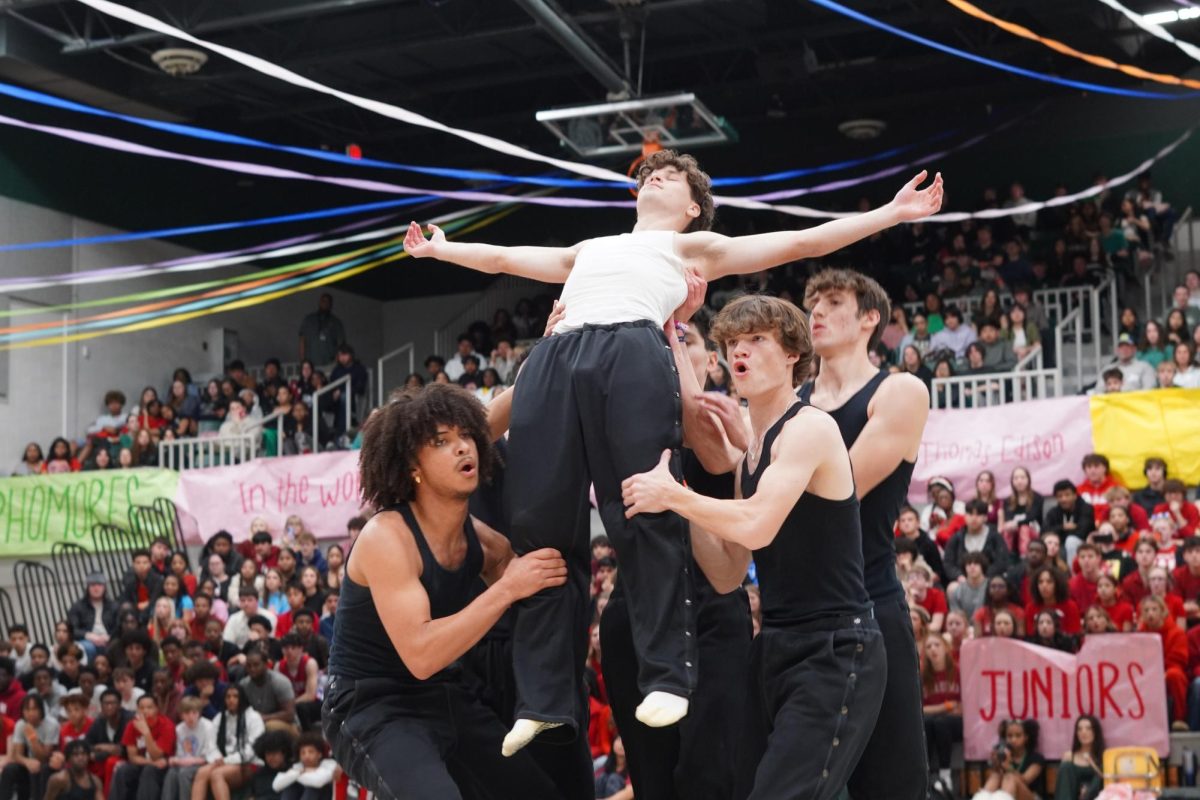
1092 560
189 681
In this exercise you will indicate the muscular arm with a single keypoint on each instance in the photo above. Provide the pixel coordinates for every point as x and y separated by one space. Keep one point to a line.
497 551
392 570
716 256
546 264
754 522
310 682
499 413
892 433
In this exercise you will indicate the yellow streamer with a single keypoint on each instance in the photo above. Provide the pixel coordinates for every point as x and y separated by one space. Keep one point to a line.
247 302
1067 50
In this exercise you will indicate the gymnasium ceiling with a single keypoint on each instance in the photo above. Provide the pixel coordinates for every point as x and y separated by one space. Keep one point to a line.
784 73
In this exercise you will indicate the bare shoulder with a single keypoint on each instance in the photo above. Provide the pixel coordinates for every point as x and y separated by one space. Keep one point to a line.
385 543
812 426
494 543
905 390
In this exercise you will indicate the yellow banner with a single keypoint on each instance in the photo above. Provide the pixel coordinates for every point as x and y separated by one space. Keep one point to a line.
1130 427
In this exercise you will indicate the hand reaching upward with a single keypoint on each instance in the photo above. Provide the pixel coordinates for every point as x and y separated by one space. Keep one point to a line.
913 203
417 245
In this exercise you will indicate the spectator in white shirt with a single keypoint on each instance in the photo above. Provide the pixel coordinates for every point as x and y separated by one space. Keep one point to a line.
237 629
466 347
1135 374
310 778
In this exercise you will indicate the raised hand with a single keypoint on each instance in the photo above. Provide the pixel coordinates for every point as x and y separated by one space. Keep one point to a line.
418 246
534 571
913 203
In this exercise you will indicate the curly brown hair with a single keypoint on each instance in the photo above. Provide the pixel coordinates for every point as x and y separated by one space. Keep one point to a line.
757 313
867 292
395 433
698 182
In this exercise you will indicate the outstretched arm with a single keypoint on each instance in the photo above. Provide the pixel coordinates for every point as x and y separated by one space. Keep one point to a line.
546 264
715 256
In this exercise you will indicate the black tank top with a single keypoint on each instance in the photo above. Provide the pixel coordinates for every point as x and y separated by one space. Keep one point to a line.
880 508
361 647
813 569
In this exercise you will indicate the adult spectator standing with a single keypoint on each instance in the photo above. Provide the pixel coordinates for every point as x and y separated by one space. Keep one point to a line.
1149 497
1135 373
321 333
93 617
455 367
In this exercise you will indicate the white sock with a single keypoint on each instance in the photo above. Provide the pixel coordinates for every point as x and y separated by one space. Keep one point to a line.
522 733
944 775
661 709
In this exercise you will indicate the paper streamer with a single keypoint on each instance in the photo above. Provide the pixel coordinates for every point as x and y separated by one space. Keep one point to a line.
251 298
1067 50
1154 30
206 134
954 51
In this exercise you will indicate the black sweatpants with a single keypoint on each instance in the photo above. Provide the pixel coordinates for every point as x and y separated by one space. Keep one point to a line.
694 759
894 765
815 694
941 732
137 782
401 740
598 404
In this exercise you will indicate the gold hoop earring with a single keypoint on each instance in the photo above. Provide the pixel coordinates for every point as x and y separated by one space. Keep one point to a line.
417 478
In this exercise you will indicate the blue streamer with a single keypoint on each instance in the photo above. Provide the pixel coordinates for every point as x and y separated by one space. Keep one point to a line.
31 96
221 226
1040 76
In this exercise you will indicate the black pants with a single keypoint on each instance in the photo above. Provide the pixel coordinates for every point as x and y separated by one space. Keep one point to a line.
309 714
18 782
137 782
941 732
894 765
694 759
403 740
814 698
598 404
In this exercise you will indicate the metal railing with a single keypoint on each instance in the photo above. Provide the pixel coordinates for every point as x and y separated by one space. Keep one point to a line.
1031 361
1167 272
967 303
276 417
1072 324
409 348
995 388
347 396
209 451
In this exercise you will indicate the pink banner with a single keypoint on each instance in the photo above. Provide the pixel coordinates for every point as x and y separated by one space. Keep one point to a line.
1116 677
323 489
1047 437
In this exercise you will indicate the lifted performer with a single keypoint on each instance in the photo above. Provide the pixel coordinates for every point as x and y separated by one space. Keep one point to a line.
818 669
598 401
399 718
881 418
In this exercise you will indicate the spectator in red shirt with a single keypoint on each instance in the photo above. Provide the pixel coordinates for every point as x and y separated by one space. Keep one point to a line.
1096 483
1187 577
1161 587
941 696
1185 514
958 630
11 690
933 600
1193 674
1107 599
149 740
998 599
1004 625
1156 619
1096 621
77 724
1083 585
1053 594
1135 586
944 516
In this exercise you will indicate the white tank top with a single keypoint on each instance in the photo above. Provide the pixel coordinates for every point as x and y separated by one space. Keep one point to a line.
624 278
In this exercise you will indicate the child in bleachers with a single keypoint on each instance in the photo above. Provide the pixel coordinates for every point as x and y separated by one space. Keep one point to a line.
195 741
311 777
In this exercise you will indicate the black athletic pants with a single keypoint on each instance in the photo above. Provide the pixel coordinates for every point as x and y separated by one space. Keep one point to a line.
598 404
403 740
815 693
694 759
894 765
941 732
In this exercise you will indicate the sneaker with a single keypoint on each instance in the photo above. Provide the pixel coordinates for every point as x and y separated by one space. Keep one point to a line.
1179 726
